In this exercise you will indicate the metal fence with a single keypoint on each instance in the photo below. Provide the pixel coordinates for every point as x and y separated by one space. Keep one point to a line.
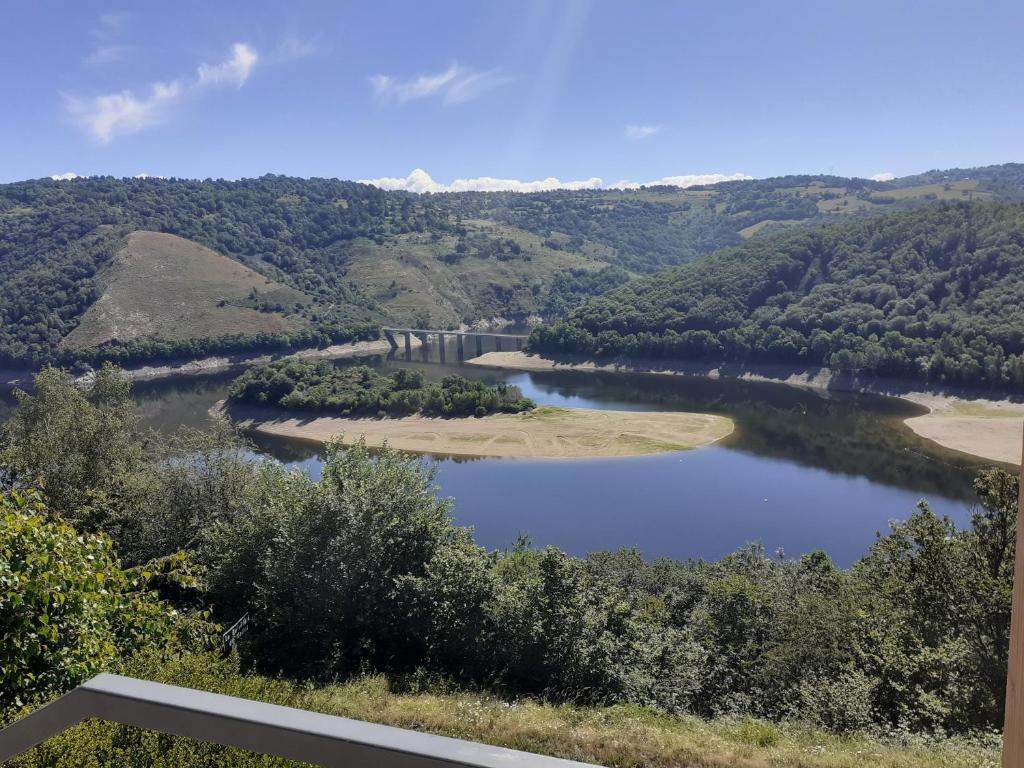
268 728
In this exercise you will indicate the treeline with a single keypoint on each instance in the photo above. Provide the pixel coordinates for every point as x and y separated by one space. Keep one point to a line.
363 571
159 350
935 294
362 391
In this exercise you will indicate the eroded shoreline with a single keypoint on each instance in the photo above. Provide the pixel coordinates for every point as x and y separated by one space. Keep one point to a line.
989 428
547 432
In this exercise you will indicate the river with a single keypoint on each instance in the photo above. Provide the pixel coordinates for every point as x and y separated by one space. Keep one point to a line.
803 470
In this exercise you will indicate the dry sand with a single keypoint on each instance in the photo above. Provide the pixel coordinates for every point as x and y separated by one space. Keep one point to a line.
987 428
546 432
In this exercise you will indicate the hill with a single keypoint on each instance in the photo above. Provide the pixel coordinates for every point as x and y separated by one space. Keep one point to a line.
936 294
163 286
363 255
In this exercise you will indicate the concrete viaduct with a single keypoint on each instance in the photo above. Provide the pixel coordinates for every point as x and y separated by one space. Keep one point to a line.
514 340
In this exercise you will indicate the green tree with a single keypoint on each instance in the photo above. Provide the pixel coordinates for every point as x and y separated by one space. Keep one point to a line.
80 444
68 609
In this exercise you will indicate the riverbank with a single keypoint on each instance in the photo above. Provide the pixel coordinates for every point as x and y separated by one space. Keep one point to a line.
222 363
543 433
986 427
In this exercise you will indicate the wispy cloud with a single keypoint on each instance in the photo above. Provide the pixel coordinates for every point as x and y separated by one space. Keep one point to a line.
232 71
884 176
119 113
640 132
125 112
455 85
108 47
108 54
293 48
421 181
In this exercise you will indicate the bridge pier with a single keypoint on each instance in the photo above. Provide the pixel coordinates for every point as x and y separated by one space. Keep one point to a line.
519 343
408 345
440 347
424 347
460 348
497 343
391 339
479 344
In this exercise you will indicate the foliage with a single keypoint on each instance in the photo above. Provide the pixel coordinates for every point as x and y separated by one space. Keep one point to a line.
349 573
620 735
934 294
78 444
363 570
361 390
67 608
56 236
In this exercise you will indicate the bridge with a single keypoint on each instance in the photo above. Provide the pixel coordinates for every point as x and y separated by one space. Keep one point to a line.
513 340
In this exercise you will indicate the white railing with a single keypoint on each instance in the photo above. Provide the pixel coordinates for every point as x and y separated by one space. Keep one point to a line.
268 728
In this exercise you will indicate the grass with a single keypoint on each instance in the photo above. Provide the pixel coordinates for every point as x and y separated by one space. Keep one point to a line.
164 286
624 736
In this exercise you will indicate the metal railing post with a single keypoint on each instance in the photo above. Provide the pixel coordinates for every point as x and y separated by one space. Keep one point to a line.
1013 725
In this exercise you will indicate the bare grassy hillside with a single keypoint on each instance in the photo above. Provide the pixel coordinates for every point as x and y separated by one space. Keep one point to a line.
167 287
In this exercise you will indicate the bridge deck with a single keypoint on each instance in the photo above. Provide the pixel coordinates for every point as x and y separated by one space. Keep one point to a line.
491 334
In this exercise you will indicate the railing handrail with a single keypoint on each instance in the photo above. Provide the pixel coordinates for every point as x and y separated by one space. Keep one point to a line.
271 729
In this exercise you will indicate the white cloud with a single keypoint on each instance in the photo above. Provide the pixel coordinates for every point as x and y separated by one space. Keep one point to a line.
115 114
638 132
124 112
234 71
108 54
456 85
421 181
885 176
690 180
65 176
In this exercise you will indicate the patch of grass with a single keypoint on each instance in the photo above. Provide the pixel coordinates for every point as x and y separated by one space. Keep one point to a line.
629 736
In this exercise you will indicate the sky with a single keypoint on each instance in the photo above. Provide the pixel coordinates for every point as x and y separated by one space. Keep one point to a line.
528 94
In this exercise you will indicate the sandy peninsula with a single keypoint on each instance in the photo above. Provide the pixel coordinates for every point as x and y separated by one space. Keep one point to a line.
990 429
543 433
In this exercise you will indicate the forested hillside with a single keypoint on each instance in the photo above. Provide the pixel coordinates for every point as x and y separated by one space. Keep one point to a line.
936 293
364 255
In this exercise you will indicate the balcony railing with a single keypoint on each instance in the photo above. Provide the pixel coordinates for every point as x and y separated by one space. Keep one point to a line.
268 728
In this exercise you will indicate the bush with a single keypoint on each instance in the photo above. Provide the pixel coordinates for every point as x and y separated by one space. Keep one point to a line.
67 608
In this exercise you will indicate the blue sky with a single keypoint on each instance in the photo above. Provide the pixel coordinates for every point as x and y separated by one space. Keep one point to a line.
523 90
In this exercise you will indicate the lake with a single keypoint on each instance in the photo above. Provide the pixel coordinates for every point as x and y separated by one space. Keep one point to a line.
803 470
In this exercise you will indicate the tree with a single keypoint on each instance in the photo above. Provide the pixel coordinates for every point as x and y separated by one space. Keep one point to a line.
81 445
67 608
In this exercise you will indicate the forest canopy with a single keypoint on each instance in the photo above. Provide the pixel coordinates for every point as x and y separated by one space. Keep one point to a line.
532 254
935 293
363 391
